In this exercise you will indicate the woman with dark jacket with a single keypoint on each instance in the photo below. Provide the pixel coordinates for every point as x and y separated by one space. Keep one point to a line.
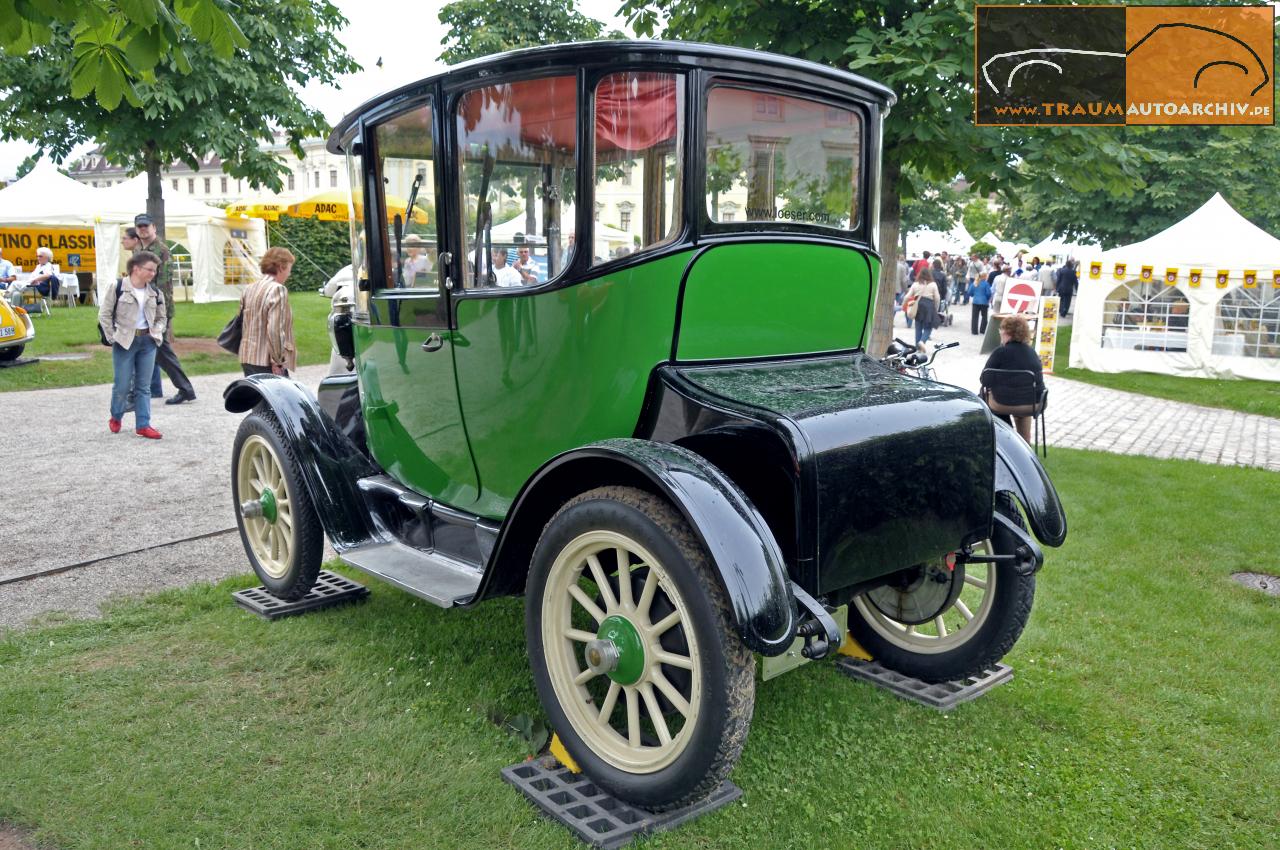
1015 352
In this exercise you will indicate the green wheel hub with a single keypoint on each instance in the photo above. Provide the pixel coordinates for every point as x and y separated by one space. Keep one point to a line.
626 638
268 500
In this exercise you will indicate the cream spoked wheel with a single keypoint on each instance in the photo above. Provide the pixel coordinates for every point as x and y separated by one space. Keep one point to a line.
896 612
268 512
619 651
278 525
634 649
942 621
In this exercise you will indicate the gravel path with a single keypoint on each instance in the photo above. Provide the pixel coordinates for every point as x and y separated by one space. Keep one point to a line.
82 490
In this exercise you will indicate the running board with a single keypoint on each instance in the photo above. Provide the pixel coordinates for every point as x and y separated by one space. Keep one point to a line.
431 576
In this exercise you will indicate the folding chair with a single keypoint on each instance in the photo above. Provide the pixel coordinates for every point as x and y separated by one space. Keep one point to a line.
1018 392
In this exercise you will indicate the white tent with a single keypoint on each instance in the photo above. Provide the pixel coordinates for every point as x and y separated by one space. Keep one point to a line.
955 241
46 197
1052 246
1008 250
1200 299
213 239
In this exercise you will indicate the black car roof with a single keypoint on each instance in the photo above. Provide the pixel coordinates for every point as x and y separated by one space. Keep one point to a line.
617 52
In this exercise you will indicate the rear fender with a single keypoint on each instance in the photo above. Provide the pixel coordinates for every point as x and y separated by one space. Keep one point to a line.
746 555
329 462
1018 472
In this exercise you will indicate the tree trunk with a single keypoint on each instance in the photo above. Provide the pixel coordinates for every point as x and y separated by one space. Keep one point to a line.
890 224
155 196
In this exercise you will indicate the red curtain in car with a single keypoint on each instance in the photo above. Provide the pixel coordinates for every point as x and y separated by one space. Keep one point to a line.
635 111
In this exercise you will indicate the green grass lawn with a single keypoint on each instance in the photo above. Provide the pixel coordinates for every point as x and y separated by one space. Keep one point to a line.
1261 397
1142 712
72 331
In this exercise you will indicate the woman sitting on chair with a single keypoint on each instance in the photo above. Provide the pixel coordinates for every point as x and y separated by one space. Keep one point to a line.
1015 352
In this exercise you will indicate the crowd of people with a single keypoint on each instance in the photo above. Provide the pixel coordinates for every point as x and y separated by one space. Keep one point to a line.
929 286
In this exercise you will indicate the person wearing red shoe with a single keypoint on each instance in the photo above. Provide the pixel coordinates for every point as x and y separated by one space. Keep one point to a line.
132 317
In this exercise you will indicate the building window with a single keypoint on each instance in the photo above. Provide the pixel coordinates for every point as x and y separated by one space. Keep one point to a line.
208 185
624 218
626 174
175 184
333 178
95 184
290 182
315 175
726 216
224 185
191 185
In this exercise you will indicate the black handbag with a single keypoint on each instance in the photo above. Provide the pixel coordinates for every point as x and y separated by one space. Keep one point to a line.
230 336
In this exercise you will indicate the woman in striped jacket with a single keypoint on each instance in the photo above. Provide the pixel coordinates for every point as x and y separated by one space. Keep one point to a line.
266 342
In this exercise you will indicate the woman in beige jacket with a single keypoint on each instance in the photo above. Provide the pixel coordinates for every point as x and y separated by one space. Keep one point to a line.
266 341
132 318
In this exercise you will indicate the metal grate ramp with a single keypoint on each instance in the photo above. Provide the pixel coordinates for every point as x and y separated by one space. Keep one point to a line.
943 696
330 589
593 815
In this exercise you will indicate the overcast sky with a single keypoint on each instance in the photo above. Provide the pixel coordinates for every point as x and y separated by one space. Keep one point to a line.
406 36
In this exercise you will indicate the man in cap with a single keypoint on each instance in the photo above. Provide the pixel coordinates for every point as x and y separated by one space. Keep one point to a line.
166 358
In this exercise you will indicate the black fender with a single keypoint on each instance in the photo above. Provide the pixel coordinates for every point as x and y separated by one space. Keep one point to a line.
1019 473
329 462
746 555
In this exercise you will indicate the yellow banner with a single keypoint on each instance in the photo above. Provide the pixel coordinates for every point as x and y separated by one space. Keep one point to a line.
1222 279
1047 333
1095 270
1250 279
73 248
1195 278
1170 276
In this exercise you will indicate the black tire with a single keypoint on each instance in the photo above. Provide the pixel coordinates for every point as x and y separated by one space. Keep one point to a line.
11 353
701 752
990 641
292 574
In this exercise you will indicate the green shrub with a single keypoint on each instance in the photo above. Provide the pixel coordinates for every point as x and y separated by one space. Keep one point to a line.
321 248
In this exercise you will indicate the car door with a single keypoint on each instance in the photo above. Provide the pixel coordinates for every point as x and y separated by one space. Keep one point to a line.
403 338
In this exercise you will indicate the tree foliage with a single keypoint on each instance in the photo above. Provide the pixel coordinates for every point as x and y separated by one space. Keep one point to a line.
933 206
192 103
1182 167
980 219
924 52
115 44
481 27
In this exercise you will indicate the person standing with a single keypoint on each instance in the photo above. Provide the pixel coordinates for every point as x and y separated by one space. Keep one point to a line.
166 357
927 298
1068 280
981 303
134 322
266 342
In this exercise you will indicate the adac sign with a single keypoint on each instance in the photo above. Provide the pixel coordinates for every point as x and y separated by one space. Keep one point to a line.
73 248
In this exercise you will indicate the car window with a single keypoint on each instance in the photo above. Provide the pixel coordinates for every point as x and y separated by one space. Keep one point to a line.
639 127
407 206
355 218
517 144
773 157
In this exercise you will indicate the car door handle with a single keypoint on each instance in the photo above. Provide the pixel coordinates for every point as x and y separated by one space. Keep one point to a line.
433 343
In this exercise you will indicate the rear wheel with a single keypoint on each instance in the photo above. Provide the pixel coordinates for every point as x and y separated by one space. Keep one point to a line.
278 525
937 623
634 650
11 353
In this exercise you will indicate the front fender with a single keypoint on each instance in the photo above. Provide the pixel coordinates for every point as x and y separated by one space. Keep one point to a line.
1018 471
743 549
329 462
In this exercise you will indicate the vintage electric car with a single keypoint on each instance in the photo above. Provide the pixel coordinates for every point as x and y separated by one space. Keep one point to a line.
682 457
16 330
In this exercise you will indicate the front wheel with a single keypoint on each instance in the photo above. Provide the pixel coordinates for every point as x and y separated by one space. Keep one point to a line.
278 525
634 651
940 624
